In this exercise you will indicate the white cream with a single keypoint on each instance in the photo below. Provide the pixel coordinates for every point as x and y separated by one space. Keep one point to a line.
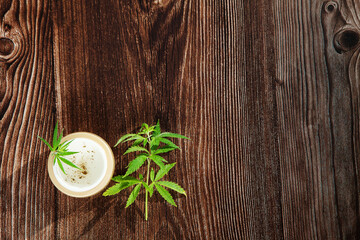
91 158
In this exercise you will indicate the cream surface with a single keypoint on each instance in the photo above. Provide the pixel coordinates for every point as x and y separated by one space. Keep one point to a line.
91 158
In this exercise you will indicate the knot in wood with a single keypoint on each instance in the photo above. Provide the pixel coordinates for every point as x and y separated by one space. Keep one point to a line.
346 40
6 46
331 6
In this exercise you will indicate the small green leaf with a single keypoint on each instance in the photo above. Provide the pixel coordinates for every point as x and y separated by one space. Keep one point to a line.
156 160
161 173
69 163
141 177
173 186
157 129
64 145
146 186
47 144
66 153
123 138
165 194
135 164
154 143
172 135
61 166
128 179
151 189
145 126
145 142
168 142
55 136
164 149
159 158
116 188
137 142
152 174
136 137
135 149
59 139
133 195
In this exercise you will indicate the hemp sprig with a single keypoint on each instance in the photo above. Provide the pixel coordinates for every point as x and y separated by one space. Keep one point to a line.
150 142
59 150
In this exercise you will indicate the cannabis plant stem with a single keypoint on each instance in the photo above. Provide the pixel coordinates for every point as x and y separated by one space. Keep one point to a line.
146 192
147 180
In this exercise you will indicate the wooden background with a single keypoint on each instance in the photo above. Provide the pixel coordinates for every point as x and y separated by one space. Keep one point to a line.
268 91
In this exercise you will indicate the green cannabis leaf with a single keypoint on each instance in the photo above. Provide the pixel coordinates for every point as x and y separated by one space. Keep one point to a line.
59 150
149 142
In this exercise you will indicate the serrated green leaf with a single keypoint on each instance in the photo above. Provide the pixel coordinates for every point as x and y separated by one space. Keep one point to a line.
165 194
157 129
135 164
136 137
129 179
151 189
172 135
116 188
161 173
61 166
168 142
145 142
47 144
133 195
66 161
137 142
154 143
173 186
152 174
135 149
158 157
60 137
146 186
123 138
164 149
156 160
64 145
66 153
55 136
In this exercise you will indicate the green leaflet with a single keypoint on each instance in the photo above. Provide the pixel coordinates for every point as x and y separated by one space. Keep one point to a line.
47 144
168 142
135 164
61 166
157 160
152 174
68 162
133 195
165 194
164 149
173 186
161 173
172 135
128 179
117 188
135 149
123 138
55 136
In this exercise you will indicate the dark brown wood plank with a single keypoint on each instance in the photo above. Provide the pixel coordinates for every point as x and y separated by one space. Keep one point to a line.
27 197
268 92
180 62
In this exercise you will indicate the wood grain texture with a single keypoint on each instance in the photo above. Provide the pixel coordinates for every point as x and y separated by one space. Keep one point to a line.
268 92
26 110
